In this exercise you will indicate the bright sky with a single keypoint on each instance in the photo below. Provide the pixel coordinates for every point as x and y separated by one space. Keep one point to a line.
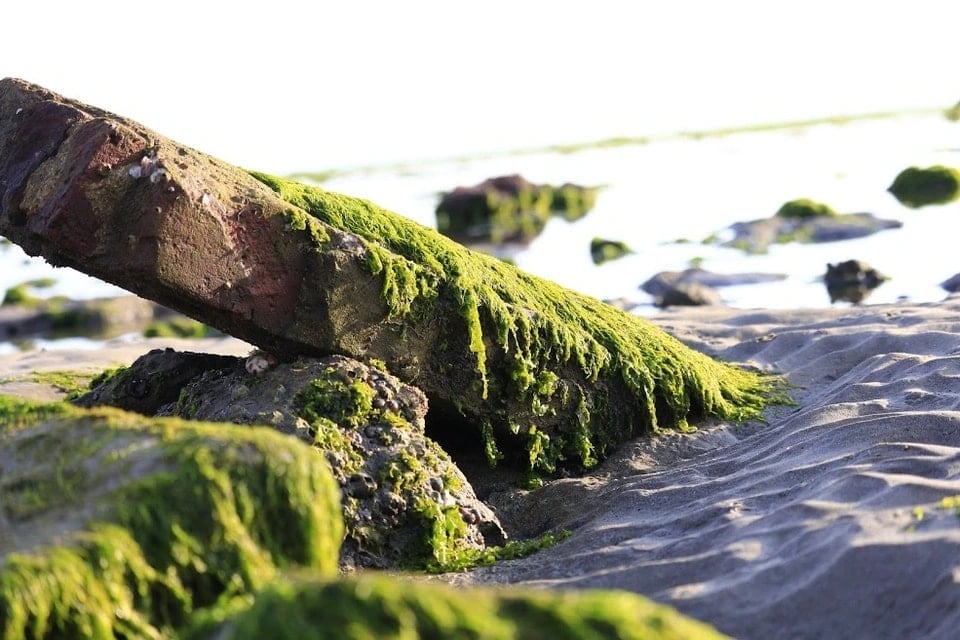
286 86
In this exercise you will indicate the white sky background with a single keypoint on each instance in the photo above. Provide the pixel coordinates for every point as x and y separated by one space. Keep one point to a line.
287 86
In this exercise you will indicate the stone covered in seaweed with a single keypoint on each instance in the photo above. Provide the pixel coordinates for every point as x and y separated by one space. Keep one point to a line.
116 525
405 503
918 187
508 209
548 375
602 250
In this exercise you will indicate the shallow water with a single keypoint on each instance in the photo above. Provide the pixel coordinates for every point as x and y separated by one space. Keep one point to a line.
662 192
690 188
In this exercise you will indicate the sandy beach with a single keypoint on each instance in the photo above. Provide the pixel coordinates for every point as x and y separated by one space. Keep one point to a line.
832 520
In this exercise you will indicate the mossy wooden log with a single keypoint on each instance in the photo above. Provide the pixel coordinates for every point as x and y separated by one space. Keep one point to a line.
542 373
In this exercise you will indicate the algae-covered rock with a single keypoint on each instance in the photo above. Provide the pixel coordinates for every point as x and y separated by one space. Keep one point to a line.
805 208
116 525
602 250
538 375
508 209
374 606
918 187
404 501
801 223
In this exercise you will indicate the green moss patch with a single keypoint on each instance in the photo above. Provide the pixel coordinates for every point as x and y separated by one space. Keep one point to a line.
22 295
919 187
804 208
602 250
397 501
118 525
389 608
178 327
71 383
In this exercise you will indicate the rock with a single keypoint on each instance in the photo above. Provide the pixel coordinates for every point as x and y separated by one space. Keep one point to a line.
117 525
399 487
662 282
508 209
851 281
687 294
154 381
537 374
606 250
951 284
919 187
756 236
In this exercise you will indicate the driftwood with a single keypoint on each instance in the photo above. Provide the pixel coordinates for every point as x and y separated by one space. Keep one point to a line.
540 374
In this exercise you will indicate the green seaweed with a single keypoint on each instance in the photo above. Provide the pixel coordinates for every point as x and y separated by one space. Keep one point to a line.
602 250
71 383
375 606
543 327
167 516
20 294
918 187
335 405
804 209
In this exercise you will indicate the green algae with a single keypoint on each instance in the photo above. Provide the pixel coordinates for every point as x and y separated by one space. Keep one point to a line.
804 209
602 250
650 381
462 559
178 327
106 376
509 209
376 606
918 187
16 413
335 405
162 517
21 295
329 396
71 383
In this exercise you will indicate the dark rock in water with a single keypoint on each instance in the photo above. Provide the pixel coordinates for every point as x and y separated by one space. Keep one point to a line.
687 294
666 280
544 378
96 318
951 284
606 250
918 187
405 503
508 209
695 286
852 281
756 236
